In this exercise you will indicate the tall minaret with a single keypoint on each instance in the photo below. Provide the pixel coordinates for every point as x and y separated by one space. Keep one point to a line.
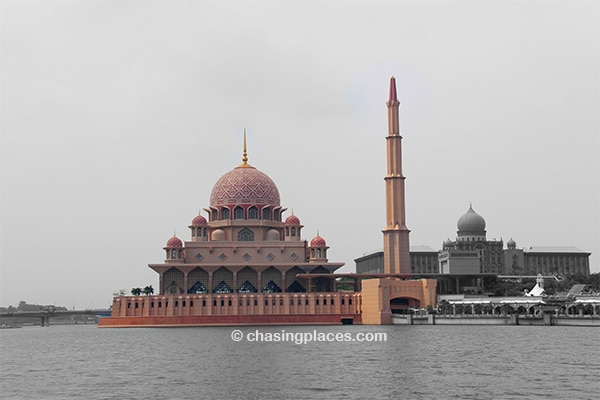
395 235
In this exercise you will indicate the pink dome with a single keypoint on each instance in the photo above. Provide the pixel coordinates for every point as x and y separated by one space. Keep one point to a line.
199 220
292 220
244 185
174 242
318 241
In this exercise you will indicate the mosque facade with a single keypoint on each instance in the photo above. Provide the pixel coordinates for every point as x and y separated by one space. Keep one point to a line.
247 264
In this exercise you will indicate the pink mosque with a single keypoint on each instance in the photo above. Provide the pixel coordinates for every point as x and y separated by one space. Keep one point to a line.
247 265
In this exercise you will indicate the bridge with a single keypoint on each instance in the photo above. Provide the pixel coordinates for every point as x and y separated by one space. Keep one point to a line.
50 312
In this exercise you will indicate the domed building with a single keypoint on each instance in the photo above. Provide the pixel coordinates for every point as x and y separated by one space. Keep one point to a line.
247 264
472 252
243 263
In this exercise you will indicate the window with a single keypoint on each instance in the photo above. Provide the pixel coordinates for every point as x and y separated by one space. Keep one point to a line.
245 235
293 231
266 213
253 213
225 213
238 213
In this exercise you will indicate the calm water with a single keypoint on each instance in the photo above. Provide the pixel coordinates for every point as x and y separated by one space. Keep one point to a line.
416 362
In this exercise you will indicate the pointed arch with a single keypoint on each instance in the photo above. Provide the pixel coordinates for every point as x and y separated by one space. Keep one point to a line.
238 212
222 281
271 280
294 284
253 213
173 281
197 281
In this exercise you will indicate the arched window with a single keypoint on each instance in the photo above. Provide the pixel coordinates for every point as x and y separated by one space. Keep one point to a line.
253 213
276 215
266 213
225 213
287 231
245 235
238 213
293 231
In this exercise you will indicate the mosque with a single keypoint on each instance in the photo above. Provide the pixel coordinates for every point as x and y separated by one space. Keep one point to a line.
246 264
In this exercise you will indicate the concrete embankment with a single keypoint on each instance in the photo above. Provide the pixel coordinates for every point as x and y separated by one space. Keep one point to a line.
513 319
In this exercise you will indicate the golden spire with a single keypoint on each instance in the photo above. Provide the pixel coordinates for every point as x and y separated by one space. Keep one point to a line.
244 163
245 155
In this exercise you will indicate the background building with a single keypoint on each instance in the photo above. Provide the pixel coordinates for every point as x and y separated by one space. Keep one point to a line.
472 253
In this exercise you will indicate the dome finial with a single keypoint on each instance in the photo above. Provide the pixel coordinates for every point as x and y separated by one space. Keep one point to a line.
245 154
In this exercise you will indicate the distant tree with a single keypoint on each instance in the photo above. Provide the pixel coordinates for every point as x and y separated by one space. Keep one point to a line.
148 290
136 291
120 292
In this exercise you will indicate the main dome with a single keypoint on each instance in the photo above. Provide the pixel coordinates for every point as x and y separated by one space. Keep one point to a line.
471 221
244 185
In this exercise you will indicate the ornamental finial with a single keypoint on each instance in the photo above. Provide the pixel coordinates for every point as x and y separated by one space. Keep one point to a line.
245 154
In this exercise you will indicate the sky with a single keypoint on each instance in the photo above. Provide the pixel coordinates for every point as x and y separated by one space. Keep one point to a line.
117 118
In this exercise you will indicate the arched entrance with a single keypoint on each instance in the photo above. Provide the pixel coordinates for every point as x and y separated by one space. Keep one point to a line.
402 305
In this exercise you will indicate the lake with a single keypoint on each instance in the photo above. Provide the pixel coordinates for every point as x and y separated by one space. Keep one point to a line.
415 362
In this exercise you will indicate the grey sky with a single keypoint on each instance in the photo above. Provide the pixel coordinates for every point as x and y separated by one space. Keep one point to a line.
118 117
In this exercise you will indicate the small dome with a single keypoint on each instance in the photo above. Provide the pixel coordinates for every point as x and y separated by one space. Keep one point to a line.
318 241
448 243
199 220
218 234
292 220
511 244
174 242
272 235
471 221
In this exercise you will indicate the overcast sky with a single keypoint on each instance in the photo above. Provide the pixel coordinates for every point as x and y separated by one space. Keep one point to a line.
117 118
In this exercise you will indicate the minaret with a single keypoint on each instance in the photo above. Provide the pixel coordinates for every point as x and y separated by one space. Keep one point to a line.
395 235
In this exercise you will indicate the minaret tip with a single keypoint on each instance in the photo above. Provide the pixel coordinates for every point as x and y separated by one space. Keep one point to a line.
393 95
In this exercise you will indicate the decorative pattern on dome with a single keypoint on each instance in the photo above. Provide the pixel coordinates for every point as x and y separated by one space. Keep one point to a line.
292 220
318 241
244 186
199 220
174 242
